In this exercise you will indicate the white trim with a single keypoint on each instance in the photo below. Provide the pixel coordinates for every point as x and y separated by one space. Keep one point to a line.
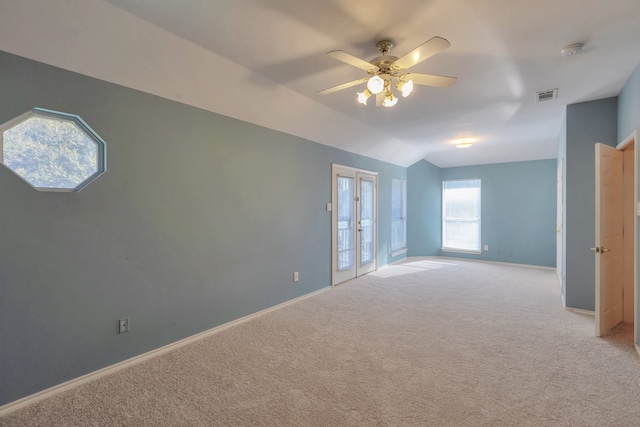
398 252
338 277
51 391
461 251
627 141
368 172
580 311
635 241
509 264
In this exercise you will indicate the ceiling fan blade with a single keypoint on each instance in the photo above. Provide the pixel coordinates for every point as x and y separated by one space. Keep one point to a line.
352 60
343 86
422 52
431 79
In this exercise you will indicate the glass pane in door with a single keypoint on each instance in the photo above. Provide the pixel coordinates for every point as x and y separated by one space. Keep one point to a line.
346 217
367 221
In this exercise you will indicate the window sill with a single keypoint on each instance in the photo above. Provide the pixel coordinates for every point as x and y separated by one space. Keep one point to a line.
399 252
461 251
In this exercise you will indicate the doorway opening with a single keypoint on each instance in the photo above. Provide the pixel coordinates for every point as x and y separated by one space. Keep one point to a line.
354 223
616 237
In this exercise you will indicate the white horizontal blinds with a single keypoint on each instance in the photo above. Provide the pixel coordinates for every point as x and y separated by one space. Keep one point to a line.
346 217
398 215
461 214
367 221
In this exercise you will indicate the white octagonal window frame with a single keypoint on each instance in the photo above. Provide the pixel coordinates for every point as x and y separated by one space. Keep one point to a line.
52 151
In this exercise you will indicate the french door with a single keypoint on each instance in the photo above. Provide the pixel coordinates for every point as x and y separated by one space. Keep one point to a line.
354 223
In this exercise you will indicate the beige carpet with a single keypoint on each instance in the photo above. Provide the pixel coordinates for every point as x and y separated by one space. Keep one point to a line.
432 342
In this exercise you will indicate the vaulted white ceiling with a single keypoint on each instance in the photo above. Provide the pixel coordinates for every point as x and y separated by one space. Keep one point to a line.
263 61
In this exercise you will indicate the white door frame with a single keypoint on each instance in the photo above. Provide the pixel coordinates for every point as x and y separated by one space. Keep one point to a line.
559 222
337 169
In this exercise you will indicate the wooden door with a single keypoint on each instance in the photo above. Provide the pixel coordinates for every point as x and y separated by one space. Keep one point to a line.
609 238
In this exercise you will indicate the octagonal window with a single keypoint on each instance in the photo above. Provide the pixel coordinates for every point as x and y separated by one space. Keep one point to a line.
52 151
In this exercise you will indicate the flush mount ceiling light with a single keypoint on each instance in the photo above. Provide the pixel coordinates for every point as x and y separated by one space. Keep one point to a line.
387 72
463 143
572 49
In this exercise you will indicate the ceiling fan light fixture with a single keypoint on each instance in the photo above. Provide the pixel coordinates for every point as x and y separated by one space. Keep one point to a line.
405 87
363 96
389 100
375 84
388 73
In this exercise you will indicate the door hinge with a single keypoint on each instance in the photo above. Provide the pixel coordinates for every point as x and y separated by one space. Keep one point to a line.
357 199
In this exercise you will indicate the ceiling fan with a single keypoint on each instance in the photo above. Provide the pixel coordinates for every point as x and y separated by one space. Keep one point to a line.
387 72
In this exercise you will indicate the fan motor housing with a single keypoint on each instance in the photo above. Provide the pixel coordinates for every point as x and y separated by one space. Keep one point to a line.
384 62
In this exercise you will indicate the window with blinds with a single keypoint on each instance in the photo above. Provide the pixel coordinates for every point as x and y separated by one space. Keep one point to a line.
398 215
461 215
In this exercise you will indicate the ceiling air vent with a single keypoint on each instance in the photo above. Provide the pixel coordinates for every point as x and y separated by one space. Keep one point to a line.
546 95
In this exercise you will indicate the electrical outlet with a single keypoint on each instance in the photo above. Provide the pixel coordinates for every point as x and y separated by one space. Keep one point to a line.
486 247
124 325
295 276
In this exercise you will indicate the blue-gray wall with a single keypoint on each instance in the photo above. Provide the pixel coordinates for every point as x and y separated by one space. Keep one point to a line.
629 106
629 121
199 220
518 210
424 209
587 124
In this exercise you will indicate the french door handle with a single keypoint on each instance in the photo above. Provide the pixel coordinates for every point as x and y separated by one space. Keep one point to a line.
600 249
359 229
596 250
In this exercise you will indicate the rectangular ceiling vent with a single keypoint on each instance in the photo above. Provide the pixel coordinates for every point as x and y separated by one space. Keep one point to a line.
546 95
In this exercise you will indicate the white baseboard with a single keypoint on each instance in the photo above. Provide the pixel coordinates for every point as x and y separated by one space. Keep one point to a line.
509 264
44 394
580 311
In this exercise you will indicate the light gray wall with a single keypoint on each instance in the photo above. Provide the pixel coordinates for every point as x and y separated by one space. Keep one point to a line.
587 124
200 219
424 209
